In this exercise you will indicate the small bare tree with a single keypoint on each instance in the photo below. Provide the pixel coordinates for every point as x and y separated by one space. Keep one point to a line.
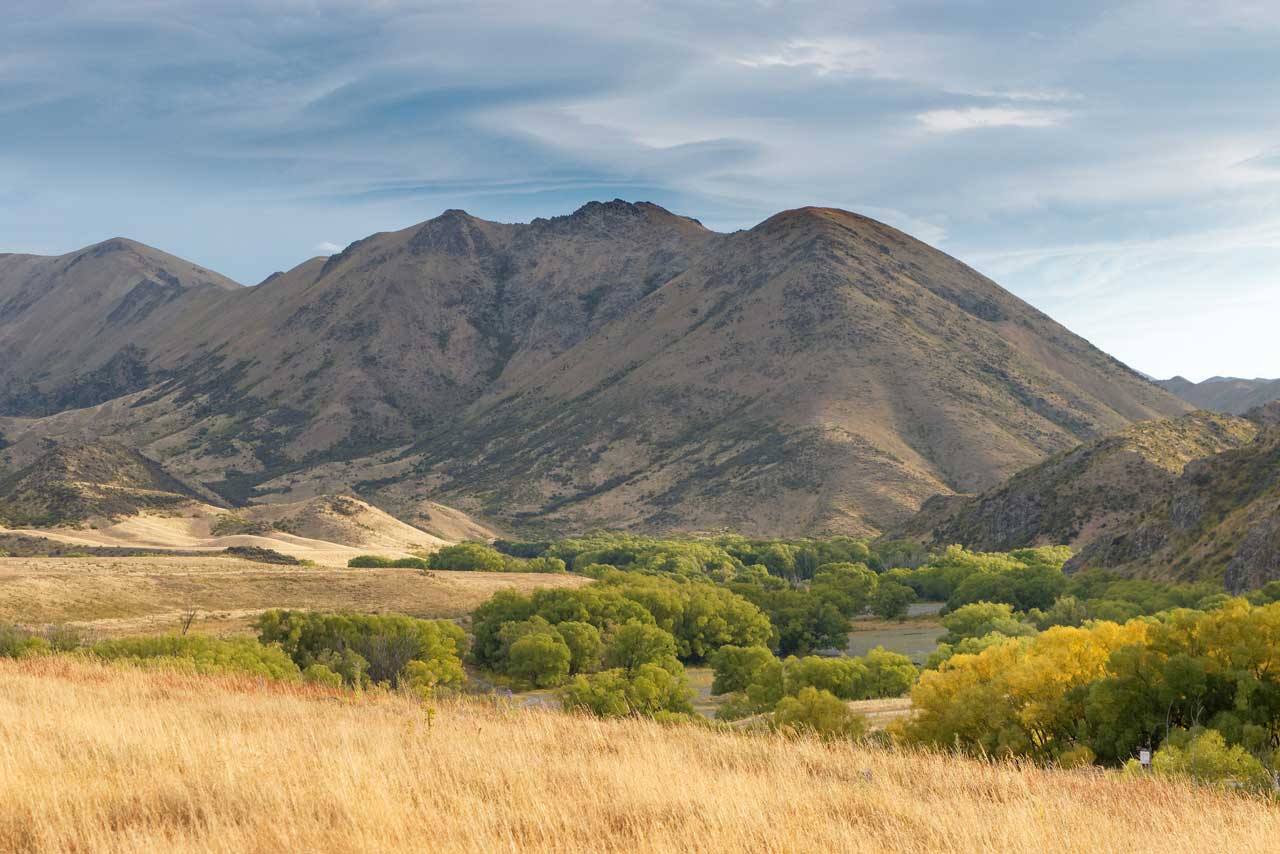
188 616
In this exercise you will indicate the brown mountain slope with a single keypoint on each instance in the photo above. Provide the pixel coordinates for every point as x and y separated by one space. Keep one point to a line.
1219 521
75 330
1225 394
819 372
1091 492
620 366
76 482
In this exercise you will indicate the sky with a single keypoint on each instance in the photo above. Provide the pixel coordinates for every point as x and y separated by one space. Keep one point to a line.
1116 164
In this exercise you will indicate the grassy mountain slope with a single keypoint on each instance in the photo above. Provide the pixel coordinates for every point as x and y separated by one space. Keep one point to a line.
73 483
820 372
620 366
1091 492
79 329
1225 394
1220 520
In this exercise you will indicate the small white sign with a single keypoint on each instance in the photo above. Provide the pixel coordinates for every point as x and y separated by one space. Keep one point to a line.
1144 756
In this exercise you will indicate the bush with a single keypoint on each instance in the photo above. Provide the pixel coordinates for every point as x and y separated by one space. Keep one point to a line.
17 642
649 691
370 562
368 647
203 654
380 562
318 674
231 525
470 557
542 564
969 646
702 617
802 622
1206 758
261 555
819 713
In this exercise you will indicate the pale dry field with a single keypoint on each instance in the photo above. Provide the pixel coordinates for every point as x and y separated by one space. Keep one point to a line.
146 595
95 759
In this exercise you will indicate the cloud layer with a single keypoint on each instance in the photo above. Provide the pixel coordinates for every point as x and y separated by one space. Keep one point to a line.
1115 164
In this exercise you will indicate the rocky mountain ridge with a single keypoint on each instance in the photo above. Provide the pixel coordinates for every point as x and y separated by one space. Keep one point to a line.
621 366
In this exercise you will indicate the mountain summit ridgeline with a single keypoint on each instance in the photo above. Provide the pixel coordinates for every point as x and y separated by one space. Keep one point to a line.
621 366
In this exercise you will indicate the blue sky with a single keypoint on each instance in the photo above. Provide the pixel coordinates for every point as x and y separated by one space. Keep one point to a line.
1115 164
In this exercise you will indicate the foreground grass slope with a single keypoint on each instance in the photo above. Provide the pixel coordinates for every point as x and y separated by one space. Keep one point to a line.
100 759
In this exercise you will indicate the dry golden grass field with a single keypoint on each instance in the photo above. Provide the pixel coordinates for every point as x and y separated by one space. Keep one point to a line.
148 595
99 759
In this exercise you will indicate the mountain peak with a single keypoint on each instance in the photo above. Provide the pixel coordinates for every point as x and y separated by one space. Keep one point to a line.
113 245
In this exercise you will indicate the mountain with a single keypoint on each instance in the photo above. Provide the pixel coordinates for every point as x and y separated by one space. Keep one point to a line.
621 366
1219 521
74 329
77 482
1090 493
1224 394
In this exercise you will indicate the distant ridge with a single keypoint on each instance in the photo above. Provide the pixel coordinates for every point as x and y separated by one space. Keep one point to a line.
1225 394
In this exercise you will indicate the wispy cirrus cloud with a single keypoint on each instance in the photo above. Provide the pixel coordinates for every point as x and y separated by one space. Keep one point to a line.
971 118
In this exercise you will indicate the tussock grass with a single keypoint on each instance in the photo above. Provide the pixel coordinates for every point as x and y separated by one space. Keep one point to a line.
111 597
100 759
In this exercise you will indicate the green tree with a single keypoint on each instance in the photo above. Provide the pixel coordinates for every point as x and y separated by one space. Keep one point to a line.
585 645
635 644
540 659
736 667
847 586
889 674
891 600
979 619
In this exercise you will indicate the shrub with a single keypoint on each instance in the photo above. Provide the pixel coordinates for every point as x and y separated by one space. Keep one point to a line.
650 690
471 557
542 564
203 654
1206 758
819 713
318 674
738 667
370 647
754 677
17 642
232 525
261 555
370 562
